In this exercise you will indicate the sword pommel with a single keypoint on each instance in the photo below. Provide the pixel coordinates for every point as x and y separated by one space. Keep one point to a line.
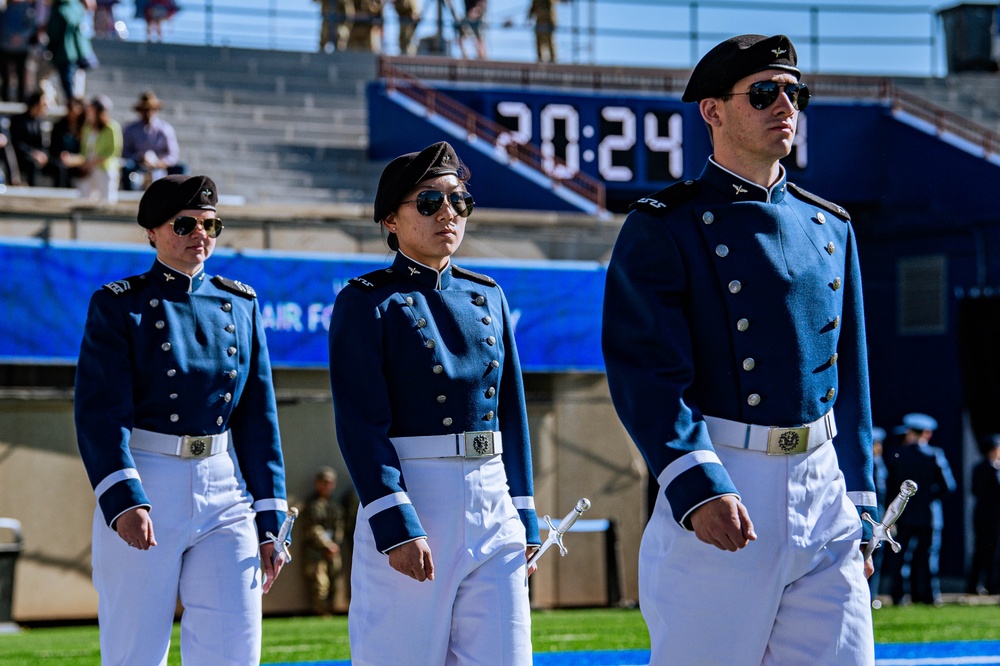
582 505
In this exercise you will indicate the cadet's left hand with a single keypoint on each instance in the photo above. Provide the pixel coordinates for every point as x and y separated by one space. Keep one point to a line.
528 552
270 565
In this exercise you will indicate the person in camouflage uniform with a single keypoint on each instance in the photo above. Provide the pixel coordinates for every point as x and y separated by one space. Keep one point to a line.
322 539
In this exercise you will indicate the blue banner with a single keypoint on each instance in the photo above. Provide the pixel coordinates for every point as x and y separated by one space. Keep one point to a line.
556 306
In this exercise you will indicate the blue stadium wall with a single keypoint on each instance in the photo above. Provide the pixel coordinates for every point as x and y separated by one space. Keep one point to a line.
917 200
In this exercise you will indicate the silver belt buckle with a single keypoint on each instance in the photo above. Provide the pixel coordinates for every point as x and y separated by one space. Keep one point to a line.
478 444
787 441
196 447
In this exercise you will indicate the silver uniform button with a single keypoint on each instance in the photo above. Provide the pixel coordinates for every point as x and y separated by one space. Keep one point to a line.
174 418
836 321
748 364
836 283
171 372
831 248
438 369
829 394
230 328
442 398
491 340
231 351
155 302
491 391
833 359
707 217
742 325
722 250
480 300
820 217
160 324
489 416
494 363
165 346
421 322
408 300
447 421
753 399
487 320
430 344
218 421
226 307
233 374
735 286
228 397
173 396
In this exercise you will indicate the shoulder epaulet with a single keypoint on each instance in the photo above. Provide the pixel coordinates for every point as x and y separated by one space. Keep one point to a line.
819 201
235 286
667 198
460 272
372 280
134 283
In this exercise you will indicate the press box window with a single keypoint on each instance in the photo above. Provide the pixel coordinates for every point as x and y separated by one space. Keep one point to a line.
922 286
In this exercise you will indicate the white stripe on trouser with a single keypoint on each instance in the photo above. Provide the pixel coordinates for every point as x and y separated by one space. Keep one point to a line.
207 553
475 611
796 595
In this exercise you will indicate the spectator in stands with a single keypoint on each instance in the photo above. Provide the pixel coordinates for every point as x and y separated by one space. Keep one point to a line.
100 150
150 150
334 24
365 33
177 427
154 13
408 12
70 47
322 536
419 353
543 13
473 25
65 140
27 133
104 19
17 32
984 573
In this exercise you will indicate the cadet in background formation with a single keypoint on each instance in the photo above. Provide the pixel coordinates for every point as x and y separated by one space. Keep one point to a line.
918 529
177 426
431 418
735 349
322 535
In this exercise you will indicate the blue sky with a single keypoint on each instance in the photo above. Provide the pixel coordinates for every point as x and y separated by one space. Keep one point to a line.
631 32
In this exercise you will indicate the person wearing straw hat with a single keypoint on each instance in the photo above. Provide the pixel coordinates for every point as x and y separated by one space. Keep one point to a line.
150 149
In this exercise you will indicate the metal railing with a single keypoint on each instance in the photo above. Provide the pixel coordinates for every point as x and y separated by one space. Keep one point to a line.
855 37
478 127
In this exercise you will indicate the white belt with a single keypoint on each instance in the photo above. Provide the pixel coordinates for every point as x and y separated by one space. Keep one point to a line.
771 439
477 444
185 446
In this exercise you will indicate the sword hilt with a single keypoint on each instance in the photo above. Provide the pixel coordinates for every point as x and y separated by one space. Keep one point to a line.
881 530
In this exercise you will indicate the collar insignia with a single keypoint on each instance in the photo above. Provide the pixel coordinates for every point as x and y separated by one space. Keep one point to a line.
168 277
778 52
414 270
739 189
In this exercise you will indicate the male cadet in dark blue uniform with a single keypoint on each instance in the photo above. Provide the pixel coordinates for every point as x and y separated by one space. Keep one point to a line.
177 426
733 326
918 529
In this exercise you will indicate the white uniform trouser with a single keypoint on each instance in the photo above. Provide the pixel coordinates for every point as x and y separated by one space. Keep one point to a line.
207 553
796 595
476 610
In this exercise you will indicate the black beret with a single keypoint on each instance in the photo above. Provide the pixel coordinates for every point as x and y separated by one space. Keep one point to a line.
406 171
167 196
719 69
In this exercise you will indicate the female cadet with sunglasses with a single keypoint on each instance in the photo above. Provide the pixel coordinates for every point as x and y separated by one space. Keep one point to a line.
177 426
431 418
734 341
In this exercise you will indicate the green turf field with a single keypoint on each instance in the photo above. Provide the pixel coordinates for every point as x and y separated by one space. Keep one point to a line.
315 639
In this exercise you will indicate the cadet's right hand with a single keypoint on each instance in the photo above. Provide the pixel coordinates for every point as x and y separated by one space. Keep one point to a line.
413 559
724 523
135 527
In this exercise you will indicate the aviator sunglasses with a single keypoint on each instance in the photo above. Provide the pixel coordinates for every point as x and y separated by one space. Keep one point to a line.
764 93
430 201
185 224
